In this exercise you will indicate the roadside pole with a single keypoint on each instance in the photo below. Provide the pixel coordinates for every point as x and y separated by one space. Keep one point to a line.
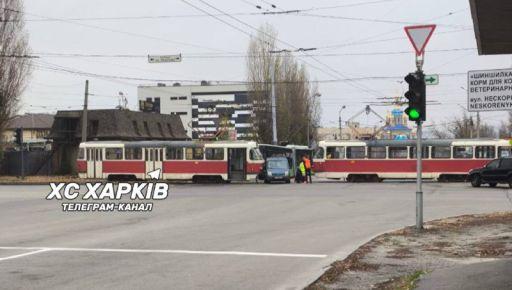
419 189
419 35
84 113
22 157
273 101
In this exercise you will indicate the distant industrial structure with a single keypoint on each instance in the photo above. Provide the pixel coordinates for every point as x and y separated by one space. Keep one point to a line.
205 110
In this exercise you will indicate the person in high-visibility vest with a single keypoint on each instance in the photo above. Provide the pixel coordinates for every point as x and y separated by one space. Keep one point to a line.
302 169
307 164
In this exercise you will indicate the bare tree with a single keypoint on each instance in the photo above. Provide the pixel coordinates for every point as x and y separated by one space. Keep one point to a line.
14 63
296 104
505 129
462 127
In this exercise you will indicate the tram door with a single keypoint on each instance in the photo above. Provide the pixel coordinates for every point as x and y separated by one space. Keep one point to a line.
236 163
154 157
94 162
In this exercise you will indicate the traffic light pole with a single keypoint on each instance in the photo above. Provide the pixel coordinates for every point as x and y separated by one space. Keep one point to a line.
419 190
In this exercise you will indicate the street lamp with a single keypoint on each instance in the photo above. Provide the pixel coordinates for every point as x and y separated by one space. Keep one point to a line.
316 95
339 119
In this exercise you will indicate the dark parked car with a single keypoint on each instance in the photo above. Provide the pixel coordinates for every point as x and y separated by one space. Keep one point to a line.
496 171
277 169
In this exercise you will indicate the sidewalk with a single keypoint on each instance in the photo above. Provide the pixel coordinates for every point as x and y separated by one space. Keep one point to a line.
496 275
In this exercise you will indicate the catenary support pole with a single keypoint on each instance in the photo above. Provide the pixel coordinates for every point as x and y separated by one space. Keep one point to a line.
273 97
478 125
84 113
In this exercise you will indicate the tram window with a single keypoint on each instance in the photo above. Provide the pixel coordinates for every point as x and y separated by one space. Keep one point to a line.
504 151
441 152
81 153
485 152
424 152
194 153
319 153
113 153
174 153
335 152
133 153
355 152
463 152
214 153
377 152
398 152
255 154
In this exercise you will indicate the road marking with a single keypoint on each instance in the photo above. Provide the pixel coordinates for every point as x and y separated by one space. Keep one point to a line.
236 253
24 254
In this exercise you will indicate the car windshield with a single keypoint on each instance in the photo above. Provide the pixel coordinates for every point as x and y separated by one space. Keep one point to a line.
277 164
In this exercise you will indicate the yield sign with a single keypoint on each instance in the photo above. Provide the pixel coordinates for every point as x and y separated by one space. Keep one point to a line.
419 36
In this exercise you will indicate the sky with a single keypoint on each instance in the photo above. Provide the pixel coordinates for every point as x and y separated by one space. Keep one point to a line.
354 39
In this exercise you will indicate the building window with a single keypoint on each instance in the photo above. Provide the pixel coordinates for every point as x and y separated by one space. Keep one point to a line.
485 152
174 153
463 152
113 153
355 152
214 153
194 154
377 152
146 127
174 98
169 128
398 152
441 152
160 129
182 98
94 128
136 128
335 152
133 153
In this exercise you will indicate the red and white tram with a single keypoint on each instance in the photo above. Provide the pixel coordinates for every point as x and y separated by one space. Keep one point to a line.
178 160
381 159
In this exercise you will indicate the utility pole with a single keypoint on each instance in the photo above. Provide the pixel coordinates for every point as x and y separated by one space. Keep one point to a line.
84 113
478 125
273 90
273 97
339 121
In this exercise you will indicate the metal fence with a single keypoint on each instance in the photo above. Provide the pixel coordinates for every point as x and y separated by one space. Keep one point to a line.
35 163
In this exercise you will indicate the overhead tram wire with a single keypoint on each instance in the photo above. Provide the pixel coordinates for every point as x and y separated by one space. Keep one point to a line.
62 69
149 17
366 39
239 55
361 87
117 31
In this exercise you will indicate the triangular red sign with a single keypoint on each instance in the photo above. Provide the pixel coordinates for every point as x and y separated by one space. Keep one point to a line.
419 36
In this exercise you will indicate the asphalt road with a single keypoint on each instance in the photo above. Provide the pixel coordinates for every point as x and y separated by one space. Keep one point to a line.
253 236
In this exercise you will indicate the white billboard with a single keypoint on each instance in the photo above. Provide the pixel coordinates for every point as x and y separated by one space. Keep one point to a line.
490 90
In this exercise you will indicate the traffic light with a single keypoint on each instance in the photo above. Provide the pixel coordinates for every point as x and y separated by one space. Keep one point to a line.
416 96
18 136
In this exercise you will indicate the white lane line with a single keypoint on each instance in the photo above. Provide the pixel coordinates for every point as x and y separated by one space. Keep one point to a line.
24 254
237 253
